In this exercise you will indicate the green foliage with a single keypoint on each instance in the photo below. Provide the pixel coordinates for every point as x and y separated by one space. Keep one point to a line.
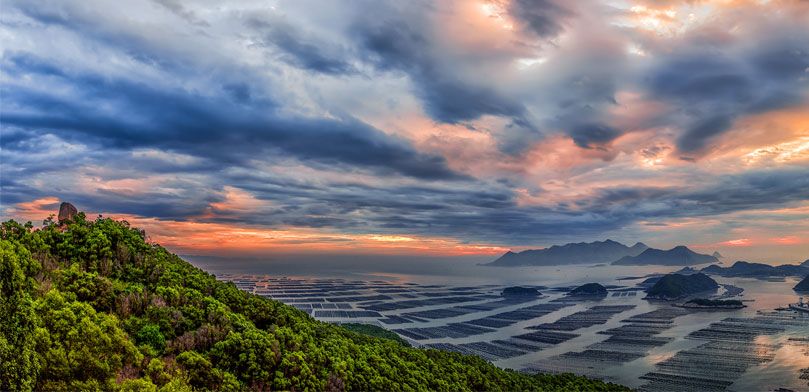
18 364
78 297
373 330
79 348
151 336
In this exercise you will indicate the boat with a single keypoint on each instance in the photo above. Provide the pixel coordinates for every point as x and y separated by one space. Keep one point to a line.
799 308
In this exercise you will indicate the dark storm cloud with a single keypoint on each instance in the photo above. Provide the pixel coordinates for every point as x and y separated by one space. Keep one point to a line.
543 17
753 190
711 88
299 50
585 134
392 42
139 115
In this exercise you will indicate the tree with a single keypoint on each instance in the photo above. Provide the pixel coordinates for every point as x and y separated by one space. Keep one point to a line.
18 365
150 335
78 347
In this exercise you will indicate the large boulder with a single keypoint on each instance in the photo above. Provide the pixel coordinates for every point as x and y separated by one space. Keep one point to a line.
67 212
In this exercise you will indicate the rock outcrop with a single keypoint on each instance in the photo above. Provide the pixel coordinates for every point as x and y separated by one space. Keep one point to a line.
67 212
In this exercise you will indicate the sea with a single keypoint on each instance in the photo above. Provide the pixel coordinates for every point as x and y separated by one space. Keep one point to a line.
756 348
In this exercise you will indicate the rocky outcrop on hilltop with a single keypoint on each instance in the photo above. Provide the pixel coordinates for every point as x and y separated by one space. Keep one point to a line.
67 211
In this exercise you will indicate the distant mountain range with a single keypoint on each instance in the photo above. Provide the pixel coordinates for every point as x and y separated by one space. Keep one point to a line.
757 270
679 255
573 253
608 251
805 263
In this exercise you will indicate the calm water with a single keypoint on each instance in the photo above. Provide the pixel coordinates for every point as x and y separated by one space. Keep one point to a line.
782 371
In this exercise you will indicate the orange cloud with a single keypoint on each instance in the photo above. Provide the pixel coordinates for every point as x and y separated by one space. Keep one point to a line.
34 211
219 239
789 240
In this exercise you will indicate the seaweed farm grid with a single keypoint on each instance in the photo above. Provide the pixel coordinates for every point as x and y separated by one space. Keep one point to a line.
554 333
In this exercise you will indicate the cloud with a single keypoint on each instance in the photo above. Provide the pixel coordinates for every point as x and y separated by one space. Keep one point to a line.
137 115
393 40
507 123
308 53
543 17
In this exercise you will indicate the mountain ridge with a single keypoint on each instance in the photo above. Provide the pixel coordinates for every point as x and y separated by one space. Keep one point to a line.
676 256
570 253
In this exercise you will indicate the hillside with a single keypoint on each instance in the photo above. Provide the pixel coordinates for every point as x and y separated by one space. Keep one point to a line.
674 286
373 330
756 270
93 306
803 285
573 253
679 255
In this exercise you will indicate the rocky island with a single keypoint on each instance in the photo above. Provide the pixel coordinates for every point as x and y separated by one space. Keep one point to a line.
803 285
589 289
756 270
702 303
520 292
675 286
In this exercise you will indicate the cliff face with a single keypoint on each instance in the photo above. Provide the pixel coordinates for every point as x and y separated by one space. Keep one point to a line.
67 212
573 253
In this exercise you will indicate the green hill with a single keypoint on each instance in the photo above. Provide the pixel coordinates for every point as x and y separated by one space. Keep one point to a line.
93 306
373 330
673 286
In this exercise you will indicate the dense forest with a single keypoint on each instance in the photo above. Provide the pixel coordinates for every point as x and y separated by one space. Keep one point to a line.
92 305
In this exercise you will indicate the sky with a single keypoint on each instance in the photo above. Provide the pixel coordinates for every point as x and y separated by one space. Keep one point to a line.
413 128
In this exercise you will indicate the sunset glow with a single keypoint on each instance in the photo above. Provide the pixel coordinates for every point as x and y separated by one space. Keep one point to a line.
407 128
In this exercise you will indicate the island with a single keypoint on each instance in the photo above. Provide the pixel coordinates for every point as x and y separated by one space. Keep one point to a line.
803 285
573 253
756 270
702 303
590 289
520 292
679 255
675 286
